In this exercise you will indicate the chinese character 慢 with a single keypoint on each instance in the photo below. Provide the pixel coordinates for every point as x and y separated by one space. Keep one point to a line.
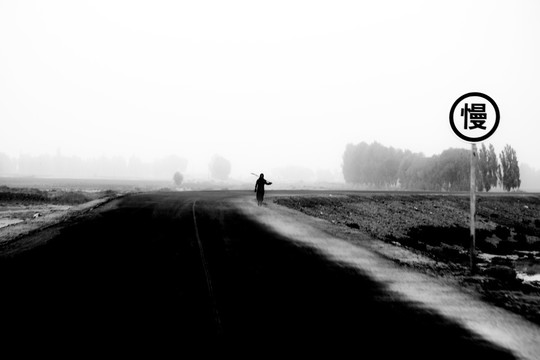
477 114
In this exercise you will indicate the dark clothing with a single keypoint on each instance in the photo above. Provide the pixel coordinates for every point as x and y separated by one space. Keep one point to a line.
259 188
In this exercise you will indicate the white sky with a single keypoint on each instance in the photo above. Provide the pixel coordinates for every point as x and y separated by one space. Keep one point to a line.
263 83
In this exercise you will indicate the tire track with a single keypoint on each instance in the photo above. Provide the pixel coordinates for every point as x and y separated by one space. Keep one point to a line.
217 318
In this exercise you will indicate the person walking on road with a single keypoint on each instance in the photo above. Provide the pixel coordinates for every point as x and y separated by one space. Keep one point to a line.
259 188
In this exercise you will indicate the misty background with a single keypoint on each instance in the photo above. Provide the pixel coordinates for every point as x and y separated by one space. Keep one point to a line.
140 89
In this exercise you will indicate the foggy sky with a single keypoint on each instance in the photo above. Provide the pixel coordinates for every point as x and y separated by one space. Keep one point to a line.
267 85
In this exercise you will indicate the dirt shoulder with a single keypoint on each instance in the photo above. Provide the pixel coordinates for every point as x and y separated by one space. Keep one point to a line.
22 218
430 233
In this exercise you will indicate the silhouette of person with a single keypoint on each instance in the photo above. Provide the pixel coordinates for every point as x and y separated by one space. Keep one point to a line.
259 188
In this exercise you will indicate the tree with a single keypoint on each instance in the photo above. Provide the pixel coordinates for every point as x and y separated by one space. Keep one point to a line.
415 172
481 168
178 178
354 160
487 168
508 170
493 165
451 170
163 167
7 165
220 168
372 164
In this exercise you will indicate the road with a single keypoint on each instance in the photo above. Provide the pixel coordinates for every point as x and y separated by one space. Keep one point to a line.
189 270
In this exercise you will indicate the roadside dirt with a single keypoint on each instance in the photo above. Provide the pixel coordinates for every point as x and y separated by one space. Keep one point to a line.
430 233
19 220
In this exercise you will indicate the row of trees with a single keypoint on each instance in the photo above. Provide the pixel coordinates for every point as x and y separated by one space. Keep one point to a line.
219 167
105 167
378 166
61 166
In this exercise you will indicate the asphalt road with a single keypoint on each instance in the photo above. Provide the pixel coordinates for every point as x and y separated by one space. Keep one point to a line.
188 271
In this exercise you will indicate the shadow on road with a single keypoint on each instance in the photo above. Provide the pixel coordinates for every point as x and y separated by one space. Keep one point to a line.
276 295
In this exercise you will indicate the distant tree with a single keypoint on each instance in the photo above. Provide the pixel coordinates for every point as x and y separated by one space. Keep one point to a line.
493 165
416 172
530 177
178 178
508 170
487 168
354 160
220 168
164 166
7 165
451 171
481 168
372 164
347 166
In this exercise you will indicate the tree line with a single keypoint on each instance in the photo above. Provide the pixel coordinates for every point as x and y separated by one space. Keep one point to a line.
62 166
116 167
378 166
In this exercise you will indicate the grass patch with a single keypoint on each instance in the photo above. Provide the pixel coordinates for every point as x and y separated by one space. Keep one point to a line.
58 197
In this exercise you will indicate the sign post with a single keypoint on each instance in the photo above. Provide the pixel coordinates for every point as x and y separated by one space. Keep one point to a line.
472 260
474 117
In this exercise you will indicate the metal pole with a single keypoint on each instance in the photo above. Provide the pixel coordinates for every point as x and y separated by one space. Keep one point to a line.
473 209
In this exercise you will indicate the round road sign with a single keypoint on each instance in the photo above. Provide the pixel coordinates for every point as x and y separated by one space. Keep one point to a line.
474 117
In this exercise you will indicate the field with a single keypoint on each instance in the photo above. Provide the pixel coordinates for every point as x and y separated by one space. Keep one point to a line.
82 185
436 226
27 209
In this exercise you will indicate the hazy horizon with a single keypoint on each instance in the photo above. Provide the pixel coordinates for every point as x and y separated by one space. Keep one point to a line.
161 169
269 86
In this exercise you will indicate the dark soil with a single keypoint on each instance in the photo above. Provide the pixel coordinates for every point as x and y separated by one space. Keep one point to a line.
437 225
